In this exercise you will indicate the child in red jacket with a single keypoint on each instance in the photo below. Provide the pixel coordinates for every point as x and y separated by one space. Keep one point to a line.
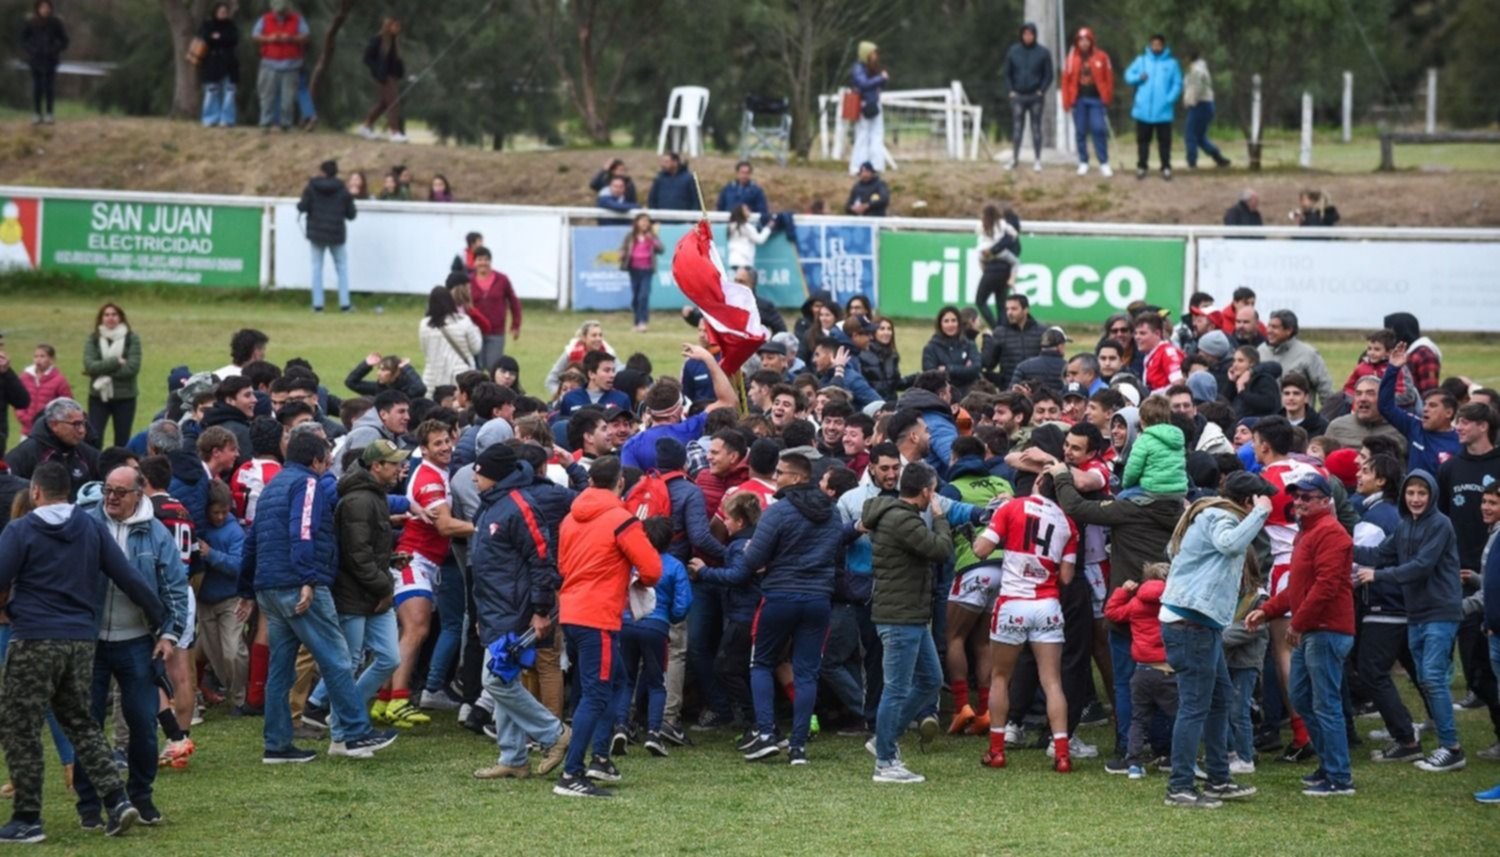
1153 688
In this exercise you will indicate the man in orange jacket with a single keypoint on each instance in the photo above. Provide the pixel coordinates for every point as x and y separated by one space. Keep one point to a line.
598 545
1088 85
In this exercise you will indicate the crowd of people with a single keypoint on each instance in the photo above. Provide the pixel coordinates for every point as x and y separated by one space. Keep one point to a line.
1235 542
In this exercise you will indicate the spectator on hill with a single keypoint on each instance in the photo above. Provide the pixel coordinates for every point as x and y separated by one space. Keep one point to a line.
327 203
112 360
439 190
614 168
744 236
450 342
359 186
1088 86
870 197
282 35
495 299
1158 82
220 67
1028 73
675 188
383 59
613 197
1198 98
1245 212
43 381
1315 208
868 77
43 40
744 191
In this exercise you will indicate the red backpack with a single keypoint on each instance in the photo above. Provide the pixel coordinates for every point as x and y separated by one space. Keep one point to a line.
650 497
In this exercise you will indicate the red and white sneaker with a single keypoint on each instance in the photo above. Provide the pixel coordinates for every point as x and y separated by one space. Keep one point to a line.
177 753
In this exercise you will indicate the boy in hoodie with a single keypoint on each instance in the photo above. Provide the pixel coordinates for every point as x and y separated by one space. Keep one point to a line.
1028 74
643 644
1088 84
1153 687
1158 461
58 563
1158 83
739 514
221 548
1422 556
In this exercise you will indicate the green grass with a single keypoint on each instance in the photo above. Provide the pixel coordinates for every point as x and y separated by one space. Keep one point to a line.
418 797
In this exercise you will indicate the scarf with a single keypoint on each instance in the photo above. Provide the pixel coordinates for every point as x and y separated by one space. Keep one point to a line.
111 349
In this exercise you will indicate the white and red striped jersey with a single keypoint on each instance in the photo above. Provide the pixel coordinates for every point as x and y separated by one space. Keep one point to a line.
764 492
1281 526
1096 536
246 484
1037 538
427 488
1163 367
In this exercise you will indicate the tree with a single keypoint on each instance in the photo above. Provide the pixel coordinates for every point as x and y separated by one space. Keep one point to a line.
183 19
609 35
330 39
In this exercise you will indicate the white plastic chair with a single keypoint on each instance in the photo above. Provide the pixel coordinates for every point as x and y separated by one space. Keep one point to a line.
685 111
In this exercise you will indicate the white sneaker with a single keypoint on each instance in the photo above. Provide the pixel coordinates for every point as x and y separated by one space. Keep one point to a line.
1105 171
366 132
1010 168
1083 169
1014 735
341 748
870 746
896 773
1077 749
1240 766
1036 166
439 700
399 138
463 713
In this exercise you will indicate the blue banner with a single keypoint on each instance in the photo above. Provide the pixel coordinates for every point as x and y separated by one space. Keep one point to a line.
839 259
598 281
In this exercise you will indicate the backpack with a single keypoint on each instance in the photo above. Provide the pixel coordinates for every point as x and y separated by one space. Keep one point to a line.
649 497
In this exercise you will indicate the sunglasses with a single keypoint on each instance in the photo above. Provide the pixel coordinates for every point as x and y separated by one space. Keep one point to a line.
1119 330
75 423
118 492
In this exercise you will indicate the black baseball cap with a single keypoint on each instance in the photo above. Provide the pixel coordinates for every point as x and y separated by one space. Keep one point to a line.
1242 485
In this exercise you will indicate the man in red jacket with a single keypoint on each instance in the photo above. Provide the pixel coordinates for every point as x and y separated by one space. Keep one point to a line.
598 544
1320 594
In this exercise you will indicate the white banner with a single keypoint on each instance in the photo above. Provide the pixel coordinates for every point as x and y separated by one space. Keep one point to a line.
410 252
1352 285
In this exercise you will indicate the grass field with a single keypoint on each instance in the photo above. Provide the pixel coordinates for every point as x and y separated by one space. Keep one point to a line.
419 798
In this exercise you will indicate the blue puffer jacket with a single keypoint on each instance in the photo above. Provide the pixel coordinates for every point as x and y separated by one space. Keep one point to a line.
674 596
741 587
293 540
1158 84
514 566
674 192
868 85
190 484
552 501
799 543
938 415
690 530
154 553
225 559
1378 519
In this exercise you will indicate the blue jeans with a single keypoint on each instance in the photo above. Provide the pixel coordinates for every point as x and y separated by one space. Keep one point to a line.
843 664
1316 679
1199 117
340 266
1123 666
1241 730
450 607
1090 119
802 620
1196 654
913 675
643 654
218 104
640 297
317 629
65 753
598 672
705 630
377 635
1431 645
1494 655
304 96
128 662
518 717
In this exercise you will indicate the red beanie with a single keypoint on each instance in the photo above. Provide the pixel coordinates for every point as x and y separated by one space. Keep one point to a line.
1344 465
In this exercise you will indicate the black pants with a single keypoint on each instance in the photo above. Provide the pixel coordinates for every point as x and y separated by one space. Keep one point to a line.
1077 657
43 89
121 411
1143 133
1381 645
732 669
993 286
1474 653
471 652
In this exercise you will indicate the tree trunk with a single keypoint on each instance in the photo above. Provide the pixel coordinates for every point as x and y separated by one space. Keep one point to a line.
183 17
330 38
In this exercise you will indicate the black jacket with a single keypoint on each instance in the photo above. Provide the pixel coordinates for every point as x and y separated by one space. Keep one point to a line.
1314 423
1046 369
327 204
12 393
881 366
407 381
1262 394
383 68
875 192
362 520
957 354
1028 71
1240 214
1008 346
42 445
600 181
674 192
43 41
219 61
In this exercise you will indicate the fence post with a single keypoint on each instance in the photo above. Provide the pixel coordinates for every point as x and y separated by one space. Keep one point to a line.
1347 112
1304 157
1255 122
1432 101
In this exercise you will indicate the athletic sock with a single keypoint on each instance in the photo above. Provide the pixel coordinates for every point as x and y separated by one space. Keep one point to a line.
403 693
260 660
960 689
997 739
984 698
168 722
1060 744
1299 731
384 694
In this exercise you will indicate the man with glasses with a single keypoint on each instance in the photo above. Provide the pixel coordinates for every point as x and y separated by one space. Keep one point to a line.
58 436
127 652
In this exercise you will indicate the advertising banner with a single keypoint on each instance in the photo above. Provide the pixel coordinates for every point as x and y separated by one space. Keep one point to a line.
1352 285
839 259
1068 279
200 245
410 251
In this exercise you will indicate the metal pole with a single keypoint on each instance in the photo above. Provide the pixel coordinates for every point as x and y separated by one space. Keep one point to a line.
1255 109
1347 112
1432 101
1047 15
1304 158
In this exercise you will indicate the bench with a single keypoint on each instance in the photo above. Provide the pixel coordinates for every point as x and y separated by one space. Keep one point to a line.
1388 139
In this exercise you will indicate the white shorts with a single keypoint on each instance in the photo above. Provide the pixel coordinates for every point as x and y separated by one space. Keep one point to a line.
1093 572
974 589
1281 577
1017 621
418 579
190 628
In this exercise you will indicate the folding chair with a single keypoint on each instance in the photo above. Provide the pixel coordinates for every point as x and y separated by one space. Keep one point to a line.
773 140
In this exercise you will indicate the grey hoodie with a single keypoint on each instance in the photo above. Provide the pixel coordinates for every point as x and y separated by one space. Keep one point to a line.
1422 556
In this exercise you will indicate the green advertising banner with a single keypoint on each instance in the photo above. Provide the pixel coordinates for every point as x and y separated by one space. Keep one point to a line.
1068 279
202 245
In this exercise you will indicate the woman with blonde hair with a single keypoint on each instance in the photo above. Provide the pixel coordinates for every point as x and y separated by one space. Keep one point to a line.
868 78
590 337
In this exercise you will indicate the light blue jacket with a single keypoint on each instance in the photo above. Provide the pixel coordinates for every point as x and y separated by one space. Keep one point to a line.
1156 96
1205 575
155 555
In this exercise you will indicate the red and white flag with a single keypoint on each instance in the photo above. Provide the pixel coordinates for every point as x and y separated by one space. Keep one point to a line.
729 308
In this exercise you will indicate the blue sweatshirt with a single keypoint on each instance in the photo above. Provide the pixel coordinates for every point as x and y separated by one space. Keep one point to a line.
1425 450
225 560
674 595
58 562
